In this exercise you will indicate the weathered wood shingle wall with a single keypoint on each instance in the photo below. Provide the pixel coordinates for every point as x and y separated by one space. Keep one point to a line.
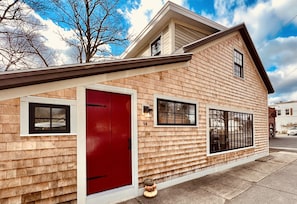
166 152
43 169
35 169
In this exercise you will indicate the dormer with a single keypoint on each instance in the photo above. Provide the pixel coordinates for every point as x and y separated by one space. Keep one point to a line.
171 29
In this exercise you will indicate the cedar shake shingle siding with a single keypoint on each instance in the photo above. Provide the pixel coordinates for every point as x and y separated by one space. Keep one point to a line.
170 152
43 169
39 169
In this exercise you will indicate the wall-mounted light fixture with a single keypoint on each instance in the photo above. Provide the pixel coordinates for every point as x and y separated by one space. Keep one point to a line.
146 110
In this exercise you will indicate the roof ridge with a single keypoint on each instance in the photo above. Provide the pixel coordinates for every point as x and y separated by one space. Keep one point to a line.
162 14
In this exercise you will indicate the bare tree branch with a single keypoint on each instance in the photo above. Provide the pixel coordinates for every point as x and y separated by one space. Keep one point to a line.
96 24
20 42
9 11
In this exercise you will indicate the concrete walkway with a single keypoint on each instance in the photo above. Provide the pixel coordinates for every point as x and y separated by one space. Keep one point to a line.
272 179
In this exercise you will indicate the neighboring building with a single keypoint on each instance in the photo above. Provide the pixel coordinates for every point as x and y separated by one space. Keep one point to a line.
271 119
91 133
286 115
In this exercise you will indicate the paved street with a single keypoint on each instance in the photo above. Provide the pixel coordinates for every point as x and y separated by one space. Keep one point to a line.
283 141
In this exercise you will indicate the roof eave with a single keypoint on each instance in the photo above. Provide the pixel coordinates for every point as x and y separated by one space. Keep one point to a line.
39 76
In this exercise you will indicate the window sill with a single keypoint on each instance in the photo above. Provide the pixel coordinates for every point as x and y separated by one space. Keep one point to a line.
48 134
229 151
175 126
238 77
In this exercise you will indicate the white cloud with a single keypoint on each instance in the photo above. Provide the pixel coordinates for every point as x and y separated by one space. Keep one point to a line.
286 10
55 40
280 52
142 12
223 7
263 19
273 99
64 54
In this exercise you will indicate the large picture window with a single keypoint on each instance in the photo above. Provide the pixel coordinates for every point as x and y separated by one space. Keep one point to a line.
229 130
171 112
49 118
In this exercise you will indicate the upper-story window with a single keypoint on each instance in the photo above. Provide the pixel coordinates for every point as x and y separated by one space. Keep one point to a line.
287 111
238 64
156 47
279 112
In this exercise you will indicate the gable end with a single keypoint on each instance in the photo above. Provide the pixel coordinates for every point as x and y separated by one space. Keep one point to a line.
249 43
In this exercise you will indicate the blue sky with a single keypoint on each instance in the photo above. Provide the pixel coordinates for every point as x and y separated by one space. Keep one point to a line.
272 25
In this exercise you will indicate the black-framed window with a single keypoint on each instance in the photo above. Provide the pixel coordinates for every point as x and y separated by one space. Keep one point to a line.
49 118
229 130
176 113
287 111
156 47
238 64
279 112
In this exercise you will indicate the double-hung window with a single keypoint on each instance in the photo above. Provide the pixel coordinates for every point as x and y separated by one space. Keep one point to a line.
238 64
156 47
229 130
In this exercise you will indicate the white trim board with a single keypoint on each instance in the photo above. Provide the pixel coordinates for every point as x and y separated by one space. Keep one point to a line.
24 114
12 93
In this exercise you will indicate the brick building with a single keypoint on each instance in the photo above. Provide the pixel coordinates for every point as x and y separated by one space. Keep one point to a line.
91 133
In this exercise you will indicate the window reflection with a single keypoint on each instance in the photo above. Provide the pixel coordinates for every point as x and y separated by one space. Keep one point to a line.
229 130
176 113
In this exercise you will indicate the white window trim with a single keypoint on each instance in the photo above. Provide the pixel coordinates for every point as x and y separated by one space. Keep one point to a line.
24 114
177 99
207 128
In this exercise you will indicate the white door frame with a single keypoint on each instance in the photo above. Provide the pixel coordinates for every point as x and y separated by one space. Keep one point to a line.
117 194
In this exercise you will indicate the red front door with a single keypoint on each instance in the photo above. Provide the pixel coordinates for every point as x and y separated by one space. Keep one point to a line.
108 141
